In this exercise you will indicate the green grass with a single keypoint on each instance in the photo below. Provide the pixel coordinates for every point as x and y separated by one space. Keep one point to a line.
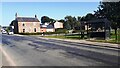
61 37
65 37
77 37
112 39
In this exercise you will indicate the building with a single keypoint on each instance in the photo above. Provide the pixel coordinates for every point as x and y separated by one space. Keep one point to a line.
50 28
26 24
47 27
58 25
43 28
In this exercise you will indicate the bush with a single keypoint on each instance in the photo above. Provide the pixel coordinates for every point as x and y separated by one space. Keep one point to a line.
30 33
45 33
61 30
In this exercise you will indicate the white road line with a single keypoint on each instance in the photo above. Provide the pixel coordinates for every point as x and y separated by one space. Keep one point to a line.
8 57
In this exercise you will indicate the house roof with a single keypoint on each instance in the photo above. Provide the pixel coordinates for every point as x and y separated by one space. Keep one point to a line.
43 26
27 19
50 27
99 21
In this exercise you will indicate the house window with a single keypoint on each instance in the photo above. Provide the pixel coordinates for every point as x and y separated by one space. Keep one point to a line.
23 24
34 29
23 30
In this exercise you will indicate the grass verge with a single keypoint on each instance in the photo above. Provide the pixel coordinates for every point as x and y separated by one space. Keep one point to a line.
65 37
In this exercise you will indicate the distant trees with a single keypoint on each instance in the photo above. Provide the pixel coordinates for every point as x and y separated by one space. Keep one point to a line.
47 19
52 21
72 22
110 10
66 25
69 20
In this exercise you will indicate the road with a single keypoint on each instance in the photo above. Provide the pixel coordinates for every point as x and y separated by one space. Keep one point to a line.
37 51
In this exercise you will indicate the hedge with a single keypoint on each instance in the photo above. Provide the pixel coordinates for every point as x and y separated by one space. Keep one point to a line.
45 33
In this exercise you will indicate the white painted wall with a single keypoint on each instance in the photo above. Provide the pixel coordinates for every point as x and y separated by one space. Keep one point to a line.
58 25
50 30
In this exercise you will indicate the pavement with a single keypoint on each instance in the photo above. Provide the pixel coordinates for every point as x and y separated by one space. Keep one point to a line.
19 50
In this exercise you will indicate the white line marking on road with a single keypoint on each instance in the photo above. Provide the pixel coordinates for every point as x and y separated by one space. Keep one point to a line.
7 56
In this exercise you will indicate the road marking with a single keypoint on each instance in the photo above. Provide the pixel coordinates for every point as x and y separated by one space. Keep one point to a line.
8 57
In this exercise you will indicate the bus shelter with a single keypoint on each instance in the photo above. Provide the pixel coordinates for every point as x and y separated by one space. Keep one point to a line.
99 29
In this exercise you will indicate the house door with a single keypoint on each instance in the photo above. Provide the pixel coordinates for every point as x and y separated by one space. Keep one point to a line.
34 29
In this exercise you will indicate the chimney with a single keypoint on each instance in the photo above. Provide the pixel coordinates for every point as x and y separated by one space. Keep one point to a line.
35 16
15 15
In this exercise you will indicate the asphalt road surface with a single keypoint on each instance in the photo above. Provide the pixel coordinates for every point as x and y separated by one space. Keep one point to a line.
36 51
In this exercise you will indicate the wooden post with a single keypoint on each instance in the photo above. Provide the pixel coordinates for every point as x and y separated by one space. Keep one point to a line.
119 35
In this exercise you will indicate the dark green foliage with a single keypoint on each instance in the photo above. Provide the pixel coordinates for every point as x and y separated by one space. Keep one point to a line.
45 19
110 10
89 17
61 21
72 22
30 33
67 26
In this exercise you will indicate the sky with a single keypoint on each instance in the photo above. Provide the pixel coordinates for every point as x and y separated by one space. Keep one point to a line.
51 0
55 10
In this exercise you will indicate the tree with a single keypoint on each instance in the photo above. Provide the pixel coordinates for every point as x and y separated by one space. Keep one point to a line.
110 10
79 18
77 23
45 19
61 21
69 21
66 25
72 21
12 23
89 16
52 21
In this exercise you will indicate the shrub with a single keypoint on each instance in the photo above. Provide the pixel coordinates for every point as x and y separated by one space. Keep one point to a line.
61 30
30 33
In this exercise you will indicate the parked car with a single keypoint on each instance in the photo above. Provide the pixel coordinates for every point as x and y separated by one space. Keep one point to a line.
4 32
10 33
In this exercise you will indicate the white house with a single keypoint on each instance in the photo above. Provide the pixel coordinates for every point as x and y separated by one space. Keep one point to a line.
58 25
50 28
